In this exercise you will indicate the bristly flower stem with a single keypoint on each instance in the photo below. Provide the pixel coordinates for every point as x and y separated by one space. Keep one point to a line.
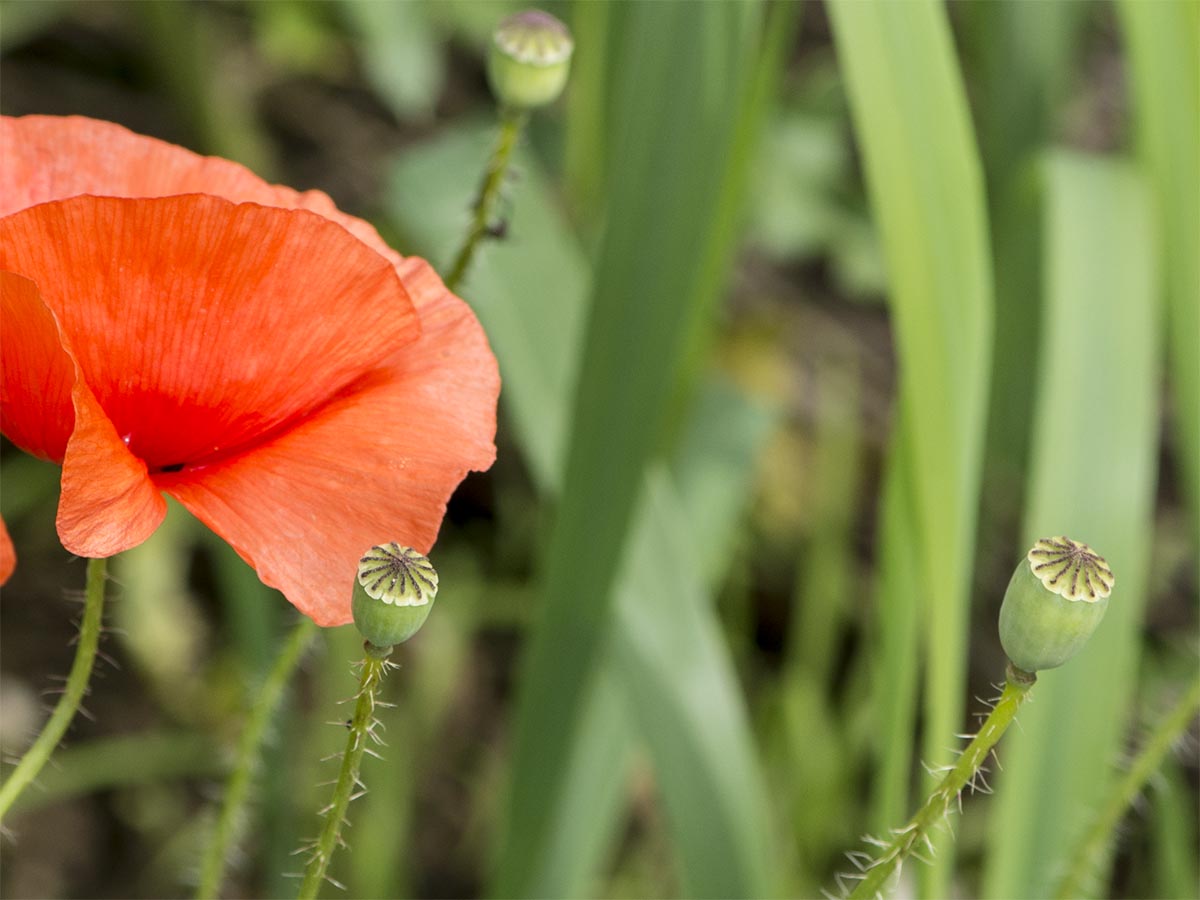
374 667
77 683
877 872
1099 835
483 212
237 789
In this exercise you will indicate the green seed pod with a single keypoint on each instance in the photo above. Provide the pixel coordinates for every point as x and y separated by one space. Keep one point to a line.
393 594
1055 600
530 59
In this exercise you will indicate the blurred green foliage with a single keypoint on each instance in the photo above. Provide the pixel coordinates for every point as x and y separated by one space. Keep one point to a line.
764 462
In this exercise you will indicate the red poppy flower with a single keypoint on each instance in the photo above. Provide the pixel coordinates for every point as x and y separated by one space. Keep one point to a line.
172 323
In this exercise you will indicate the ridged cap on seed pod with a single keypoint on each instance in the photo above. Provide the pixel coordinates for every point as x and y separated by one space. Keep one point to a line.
530 59
393 594
1056 598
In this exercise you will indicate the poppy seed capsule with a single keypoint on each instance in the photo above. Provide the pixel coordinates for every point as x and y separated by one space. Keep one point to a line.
1055 600
393 594
530 59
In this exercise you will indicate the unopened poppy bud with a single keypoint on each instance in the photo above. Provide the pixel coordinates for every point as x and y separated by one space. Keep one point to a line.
530 59
393 594
1055 600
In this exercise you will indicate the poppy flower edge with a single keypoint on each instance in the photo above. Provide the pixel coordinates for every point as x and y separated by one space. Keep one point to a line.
50 158
302 512
371 456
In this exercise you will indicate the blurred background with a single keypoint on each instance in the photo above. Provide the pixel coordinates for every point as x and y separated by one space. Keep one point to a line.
810 320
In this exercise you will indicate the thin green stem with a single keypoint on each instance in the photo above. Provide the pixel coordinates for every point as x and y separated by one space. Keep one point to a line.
237 789
483 212
105 763
936 806
77 683
361 729
1147 763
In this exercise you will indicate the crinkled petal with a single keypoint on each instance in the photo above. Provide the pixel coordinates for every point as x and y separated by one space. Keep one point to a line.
202 326
377 466
108 501
36 373
54 157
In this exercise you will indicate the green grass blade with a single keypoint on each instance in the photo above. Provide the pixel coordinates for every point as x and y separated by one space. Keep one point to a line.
713 468
1018 104
108 763
401 53
1163 42
680 684
590 809
895 686
1016 107
533 305
678 92
923 172
1094 853
586 134
1092 477
1175 867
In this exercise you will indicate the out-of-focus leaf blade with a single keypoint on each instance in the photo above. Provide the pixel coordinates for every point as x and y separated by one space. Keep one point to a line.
712 471
681 687
530 293
923 171
531 297
401 53
1092 477
1016 107
1164 55
658 272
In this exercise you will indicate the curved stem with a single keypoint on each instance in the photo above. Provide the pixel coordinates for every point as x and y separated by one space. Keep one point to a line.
1147 763
237 789
77 682
904 840
361 729
511 123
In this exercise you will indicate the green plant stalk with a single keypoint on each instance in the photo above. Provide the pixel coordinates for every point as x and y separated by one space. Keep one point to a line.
511 123
361 729
146 757
1147 763
212 869
904 840
77 682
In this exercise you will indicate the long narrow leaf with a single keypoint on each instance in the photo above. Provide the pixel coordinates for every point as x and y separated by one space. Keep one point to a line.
923 172
680 683
1164 55
1092 477
678 91
532 304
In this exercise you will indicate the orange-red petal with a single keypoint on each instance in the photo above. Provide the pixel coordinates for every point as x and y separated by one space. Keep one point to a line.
377 466
8 556
36 373
306 429
203 326
54 157
108 502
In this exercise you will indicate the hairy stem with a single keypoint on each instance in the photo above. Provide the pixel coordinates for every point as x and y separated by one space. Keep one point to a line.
904 840
1146 764
77 683
361 730
483 212
237 788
